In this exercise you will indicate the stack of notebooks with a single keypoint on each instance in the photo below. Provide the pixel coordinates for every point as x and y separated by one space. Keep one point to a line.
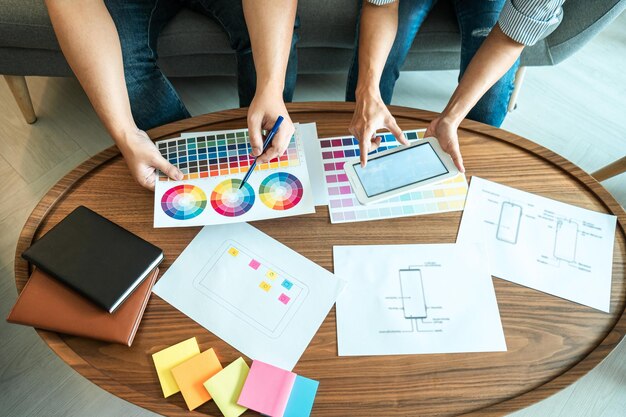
93 278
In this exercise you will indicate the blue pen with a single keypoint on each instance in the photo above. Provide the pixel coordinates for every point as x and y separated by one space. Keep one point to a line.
268 140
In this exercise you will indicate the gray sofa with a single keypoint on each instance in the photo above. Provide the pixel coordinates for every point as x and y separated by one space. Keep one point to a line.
193 45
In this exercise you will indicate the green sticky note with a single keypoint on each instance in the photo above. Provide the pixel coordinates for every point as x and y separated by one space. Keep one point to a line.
171 357
226 385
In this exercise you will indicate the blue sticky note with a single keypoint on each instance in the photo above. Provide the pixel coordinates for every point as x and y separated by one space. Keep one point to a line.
302 396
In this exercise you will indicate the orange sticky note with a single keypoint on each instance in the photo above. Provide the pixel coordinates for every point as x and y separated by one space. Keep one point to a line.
191 374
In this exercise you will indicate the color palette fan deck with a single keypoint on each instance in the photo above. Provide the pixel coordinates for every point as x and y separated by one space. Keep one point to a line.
343 205
213 165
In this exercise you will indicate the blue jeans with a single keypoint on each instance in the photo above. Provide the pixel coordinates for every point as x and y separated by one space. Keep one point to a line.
153 100
475 18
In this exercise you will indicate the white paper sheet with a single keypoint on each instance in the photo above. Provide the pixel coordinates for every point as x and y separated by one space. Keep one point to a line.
541 243
214 163
407 299
256 294
313 153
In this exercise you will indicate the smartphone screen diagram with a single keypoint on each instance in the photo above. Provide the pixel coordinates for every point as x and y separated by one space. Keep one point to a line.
565 240
509 222
412 289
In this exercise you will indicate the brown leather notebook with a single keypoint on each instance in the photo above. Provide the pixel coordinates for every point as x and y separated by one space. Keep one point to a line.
47 304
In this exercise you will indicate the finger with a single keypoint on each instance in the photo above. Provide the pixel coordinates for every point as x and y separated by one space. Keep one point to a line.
365 143
395 130
255 132
270 153
168 169
455 153
375 143
430 130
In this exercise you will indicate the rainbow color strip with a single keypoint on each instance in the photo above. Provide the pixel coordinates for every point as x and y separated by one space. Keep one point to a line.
183 202
217 154
229 200
281 191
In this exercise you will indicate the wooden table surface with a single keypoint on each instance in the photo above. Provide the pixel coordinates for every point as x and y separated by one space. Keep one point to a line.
551 342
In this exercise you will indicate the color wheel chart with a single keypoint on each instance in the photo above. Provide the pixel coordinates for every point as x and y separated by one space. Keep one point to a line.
183 202
281 191
343 205
213 165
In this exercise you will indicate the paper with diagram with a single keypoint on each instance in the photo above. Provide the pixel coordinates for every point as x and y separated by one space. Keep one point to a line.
256 294
408 299
541 243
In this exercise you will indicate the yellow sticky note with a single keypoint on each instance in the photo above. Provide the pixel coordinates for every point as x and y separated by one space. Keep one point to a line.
271 274
170 357
233 251
191 375
265 286
226 385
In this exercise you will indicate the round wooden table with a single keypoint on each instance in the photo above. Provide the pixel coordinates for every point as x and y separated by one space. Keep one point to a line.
551 342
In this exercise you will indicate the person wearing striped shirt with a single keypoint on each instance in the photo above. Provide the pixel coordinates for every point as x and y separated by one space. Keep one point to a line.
493 35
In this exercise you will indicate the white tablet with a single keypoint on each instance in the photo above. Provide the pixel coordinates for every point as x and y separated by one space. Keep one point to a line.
399 170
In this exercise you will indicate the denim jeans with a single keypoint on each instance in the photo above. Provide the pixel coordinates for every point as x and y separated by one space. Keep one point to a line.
153 100
475 18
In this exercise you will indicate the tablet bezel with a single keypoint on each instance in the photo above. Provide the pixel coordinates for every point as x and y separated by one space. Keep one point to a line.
362 196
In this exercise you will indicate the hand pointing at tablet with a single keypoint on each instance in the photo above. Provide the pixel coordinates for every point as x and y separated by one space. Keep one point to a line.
370 115
378 30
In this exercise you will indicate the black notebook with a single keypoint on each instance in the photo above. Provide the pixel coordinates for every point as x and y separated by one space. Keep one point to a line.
99 259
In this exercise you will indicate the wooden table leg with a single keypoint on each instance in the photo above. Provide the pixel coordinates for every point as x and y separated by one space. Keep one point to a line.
19 88
610 170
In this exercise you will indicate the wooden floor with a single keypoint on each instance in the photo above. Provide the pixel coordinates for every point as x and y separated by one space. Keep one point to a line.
577 109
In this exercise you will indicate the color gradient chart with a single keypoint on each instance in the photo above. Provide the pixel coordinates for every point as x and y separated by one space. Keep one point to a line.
213 165
343 205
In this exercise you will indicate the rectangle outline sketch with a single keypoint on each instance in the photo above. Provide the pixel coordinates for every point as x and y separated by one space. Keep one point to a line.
414 306
501 233
294 304
564 245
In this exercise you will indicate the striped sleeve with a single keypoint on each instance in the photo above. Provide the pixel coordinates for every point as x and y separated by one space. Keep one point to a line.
380 2
528 21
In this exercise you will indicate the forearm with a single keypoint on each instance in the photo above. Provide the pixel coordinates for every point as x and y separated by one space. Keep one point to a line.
378 28
270 25
90 43
493 59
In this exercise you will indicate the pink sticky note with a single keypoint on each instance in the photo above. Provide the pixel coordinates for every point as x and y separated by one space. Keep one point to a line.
267 389
254 264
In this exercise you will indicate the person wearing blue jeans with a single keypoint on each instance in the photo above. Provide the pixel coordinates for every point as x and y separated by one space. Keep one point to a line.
475 19
153 100
111 47
493 35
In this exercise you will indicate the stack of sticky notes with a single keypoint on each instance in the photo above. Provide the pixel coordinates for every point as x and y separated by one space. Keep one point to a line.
199 377
276 392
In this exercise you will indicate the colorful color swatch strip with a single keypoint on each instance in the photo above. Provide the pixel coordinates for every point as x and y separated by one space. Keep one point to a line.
343 205
218 153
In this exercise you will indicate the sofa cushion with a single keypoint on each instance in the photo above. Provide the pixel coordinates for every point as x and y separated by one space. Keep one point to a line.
324 23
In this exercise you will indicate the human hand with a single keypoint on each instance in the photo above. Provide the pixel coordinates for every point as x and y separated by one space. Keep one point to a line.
445 131
372 114
143 159
262 114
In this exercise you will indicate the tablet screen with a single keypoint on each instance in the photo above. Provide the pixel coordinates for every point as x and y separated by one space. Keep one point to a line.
399 169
